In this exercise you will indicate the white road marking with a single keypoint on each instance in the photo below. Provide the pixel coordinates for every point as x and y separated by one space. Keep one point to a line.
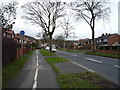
93 60
83 67
36 75
35 79
73 55
116 66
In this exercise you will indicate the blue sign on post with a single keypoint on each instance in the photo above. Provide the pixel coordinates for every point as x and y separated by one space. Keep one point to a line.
22 32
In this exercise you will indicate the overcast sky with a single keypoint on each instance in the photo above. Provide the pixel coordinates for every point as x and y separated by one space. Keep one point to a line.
82 29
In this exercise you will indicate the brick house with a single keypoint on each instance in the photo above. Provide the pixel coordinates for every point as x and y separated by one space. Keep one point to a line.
114 40
103 39
9 34
26 40
84 43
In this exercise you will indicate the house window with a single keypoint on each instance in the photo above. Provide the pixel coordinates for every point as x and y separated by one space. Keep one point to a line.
90 42
25 41
20 41
105 40
4 34
12 36
97 40
100 40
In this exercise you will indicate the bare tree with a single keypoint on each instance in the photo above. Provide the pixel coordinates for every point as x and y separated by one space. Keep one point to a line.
66 25
45 14
39 35
90 11
59 39
7 15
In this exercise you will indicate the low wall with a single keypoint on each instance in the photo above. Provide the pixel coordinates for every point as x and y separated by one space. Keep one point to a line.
21 52
109 51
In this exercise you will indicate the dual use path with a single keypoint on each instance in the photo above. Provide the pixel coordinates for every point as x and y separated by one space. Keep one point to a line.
37 73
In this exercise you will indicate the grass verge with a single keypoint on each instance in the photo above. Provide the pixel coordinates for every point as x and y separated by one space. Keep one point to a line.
61 49
46 53
78 80
11 70
73 51
52 60
104 54
84 80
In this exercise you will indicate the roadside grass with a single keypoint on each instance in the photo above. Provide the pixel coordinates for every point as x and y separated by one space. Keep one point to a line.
52 60
46 53
78 80
84 80
61 49
104 54
73 51
12 69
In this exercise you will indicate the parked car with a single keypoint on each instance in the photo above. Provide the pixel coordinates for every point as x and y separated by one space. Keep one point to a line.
47 48
53 48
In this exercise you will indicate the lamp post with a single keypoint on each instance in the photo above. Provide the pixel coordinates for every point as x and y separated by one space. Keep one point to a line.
22 34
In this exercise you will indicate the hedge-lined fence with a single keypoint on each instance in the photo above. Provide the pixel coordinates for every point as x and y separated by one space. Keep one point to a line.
109 49
9 47
11 51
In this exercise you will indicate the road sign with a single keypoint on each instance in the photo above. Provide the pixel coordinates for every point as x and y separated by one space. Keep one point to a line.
22 32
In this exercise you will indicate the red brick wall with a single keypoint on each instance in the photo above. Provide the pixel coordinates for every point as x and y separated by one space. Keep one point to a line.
112 39
109 51
20 52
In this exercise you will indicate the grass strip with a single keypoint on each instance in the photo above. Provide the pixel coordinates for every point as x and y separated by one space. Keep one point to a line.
73 51
78 80
11 70
52 60
46 53
61 49
104 54
84 80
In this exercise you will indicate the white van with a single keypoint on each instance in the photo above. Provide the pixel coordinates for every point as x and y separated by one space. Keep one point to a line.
53 48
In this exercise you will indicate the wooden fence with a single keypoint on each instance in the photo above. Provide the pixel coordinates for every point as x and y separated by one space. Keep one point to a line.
10 51
109 49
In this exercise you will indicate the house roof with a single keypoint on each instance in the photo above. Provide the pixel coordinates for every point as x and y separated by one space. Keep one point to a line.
10 31
25 37
114 35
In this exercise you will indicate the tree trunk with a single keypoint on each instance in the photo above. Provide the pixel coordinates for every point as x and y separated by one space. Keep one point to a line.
93 40
50 43
64 44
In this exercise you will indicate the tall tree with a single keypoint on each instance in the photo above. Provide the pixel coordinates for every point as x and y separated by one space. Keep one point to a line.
66 25
45 14
90 11
7 15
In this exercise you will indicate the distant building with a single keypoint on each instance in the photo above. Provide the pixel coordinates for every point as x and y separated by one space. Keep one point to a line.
114 40
9 34
103 39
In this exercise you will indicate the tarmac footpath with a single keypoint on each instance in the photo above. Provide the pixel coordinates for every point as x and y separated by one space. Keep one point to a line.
37 73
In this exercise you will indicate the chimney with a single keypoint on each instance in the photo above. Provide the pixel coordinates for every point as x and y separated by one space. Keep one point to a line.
103 34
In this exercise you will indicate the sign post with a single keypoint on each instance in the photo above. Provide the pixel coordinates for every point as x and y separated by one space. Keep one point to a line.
22 34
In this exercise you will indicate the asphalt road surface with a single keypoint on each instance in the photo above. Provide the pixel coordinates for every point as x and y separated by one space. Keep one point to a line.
107 67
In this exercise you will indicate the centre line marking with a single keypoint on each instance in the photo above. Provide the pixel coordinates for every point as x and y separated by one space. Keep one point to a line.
93 60
116 66
83 67
36 75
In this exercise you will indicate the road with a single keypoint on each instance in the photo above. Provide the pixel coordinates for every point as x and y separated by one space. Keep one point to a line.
107 67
